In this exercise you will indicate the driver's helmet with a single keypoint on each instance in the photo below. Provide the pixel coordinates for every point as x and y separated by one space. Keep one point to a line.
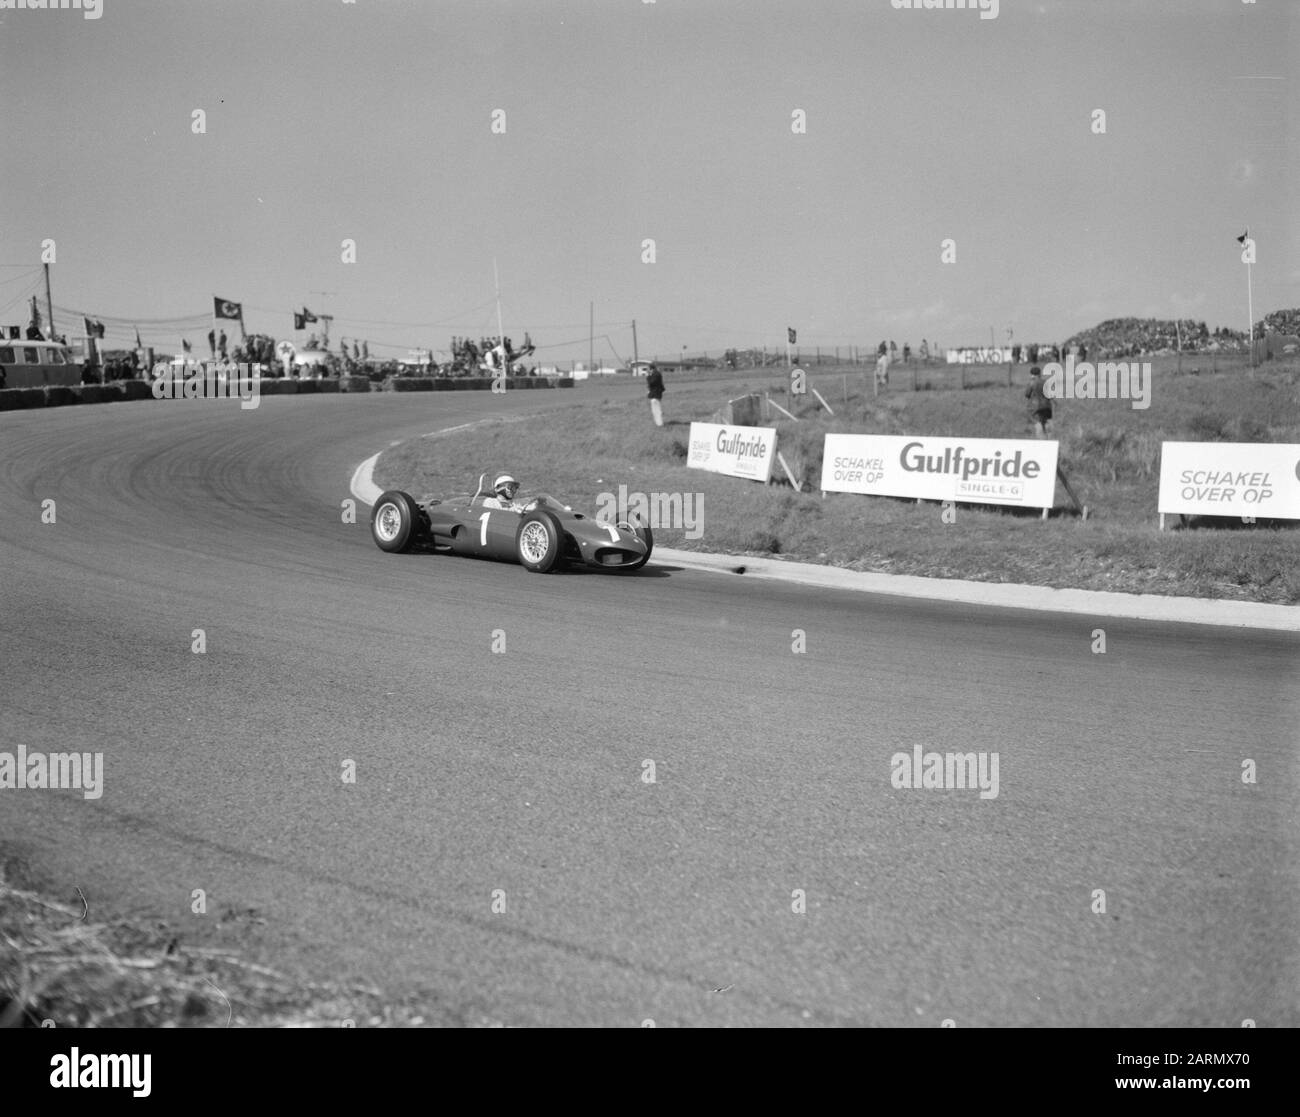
505 487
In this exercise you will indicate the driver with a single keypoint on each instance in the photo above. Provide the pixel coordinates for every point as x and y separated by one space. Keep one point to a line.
505 488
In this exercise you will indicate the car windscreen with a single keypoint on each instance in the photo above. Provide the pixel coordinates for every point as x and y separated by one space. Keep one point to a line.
545 500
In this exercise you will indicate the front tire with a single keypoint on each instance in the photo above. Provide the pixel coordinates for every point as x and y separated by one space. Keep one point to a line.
538 542
395 522
647 537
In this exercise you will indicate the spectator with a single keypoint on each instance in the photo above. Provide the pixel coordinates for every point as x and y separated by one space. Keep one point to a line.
212 343
882 370
907 352
1040 407
925 350
654 382
221 345
893 351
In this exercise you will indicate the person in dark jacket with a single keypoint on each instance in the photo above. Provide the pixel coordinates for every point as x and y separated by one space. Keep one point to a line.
1040 407
654 383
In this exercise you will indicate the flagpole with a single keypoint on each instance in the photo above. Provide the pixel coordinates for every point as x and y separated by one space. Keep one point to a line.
1250 314
49 302
501 331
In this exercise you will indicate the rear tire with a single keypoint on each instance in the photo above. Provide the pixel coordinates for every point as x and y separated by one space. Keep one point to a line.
395 522
538 542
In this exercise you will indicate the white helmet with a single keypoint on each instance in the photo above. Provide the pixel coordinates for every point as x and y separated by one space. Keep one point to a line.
505 487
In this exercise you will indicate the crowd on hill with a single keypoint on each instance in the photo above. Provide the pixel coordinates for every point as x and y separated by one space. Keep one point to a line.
1118 338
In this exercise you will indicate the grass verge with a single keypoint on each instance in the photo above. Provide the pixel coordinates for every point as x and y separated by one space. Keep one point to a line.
1109 451
60 968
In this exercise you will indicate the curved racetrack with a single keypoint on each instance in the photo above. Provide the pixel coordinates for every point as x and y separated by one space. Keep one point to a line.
522 771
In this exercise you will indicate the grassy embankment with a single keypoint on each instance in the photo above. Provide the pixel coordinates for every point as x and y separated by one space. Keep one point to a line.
1109 451
61 965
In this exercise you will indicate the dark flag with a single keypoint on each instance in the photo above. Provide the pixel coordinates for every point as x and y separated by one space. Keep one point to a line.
790 335
185 345
1242 239
299 322
224 308
138 343
308 316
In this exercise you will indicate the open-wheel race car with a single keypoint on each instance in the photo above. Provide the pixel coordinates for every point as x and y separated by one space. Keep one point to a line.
541 533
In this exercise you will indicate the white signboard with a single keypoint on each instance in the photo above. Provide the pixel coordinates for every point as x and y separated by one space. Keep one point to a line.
992 355
1230 479
965 470
736 451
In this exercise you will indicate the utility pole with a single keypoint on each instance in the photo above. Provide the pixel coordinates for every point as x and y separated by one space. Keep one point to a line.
326 318
591 339
49 302
636 360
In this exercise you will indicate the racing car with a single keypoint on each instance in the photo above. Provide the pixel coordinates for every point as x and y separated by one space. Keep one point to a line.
543 534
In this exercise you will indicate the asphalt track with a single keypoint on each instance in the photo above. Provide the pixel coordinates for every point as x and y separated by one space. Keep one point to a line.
625 901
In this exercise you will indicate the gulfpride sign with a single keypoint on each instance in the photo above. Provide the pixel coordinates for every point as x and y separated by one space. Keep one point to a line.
736 451
1230 479
970 470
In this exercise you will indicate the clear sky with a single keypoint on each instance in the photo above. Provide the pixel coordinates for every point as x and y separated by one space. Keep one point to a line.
671 121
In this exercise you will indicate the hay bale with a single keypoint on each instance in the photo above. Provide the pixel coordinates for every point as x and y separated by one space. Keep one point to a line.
328 384
308 387
19 399
58 395
564 382
101 393
135 389
354 384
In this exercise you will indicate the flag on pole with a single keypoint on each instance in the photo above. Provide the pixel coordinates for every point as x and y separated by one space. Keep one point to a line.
138 343
299 322
1242 239
185 345
308 316
791 335
224 308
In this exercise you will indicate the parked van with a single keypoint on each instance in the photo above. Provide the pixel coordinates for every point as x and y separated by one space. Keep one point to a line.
33 364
